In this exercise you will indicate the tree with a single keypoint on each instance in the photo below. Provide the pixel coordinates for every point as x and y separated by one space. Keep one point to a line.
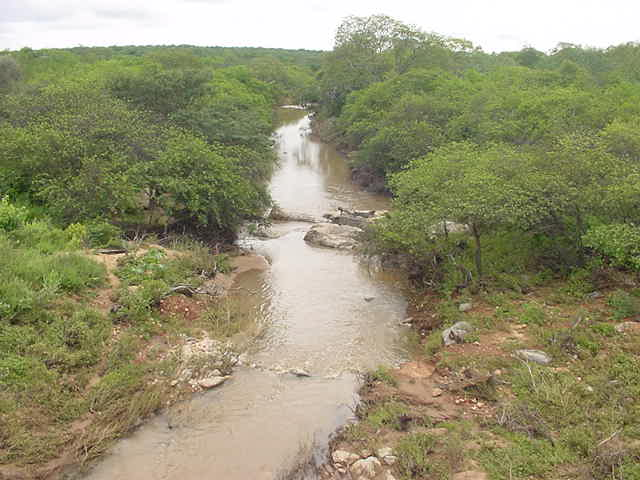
485 188
10 73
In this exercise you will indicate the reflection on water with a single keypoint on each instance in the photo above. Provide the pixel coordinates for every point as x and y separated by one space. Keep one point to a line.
312 301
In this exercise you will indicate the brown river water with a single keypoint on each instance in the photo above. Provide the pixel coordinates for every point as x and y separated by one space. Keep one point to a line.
312 305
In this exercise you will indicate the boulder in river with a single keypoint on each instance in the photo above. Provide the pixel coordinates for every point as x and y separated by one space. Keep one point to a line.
280 215
354 218
333 236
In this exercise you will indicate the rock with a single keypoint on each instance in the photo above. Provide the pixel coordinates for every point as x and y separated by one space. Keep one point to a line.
594 295
366 468
342 457
436 392
280 215
174 383
465 307
384 452
470 475
407 322
386 455
369 299
333 236
456 333
299 372
211 382
536 356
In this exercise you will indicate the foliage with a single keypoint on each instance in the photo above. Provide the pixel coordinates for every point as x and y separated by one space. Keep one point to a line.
619 243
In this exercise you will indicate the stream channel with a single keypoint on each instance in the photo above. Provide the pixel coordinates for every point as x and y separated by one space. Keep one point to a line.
312 303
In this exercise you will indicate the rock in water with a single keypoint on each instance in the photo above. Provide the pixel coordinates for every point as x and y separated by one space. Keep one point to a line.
211 382
333 236
456 333
537 356
366 468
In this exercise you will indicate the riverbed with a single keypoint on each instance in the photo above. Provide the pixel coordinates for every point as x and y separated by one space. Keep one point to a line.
323 311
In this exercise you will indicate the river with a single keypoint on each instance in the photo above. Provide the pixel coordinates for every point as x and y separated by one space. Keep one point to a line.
312 303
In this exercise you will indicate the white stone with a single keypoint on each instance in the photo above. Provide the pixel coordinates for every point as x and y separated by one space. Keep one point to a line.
342 457
211 382
465 307
537 356
366 468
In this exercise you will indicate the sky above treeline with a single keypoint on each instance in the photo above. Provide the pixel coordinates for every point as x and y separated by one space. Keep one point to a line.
494 25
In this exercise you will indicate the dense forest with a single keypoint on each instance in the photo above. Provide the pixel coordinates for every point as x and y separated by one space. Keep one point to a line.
533 150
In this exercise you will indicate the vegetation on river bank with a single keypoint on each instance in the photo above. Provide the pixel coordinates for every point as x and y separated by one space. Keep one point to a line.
103 154
515 180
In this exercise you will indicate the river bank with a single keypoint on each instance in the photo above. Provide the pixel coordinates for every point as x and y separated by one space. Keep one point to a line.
167 341
504 385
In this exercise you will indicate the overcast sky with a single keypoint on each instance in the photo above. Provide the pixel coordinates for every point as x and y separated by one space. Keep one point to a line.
495 25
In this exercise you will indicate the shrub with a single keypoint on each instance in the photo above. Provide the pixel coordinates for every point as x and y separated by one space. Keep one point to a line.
623 305
11 216
620 243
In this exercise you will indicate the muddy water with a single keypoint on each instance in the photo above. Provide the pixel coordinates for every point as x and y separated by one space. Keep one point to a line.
312 303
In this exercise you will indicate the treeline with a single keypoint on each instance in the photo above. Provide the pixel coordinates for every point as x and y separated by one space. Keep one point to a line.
145 137
537 154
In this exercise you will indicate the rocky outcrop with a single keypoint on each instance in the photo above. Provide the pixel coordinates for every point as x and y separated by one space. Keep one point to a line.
333 236
354 218
279 215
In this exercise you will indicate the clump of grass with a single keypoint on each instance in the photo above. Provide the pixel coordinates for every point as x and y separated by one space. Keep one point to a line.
413 455
381 374
389 414
532 314
623 304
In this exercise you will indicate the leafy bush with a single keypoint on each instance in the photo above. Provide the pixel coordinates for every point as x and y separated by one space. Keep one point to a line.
11 216
136 268
102 234
618 242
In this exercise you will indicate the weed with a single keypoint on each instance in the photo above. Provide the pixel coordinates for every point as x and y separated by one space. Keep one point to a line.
413 455
532 314
380 374
623 304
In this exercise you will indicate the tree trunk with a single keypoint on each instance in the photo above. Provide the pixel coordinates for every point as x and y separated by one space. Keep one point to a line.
478 256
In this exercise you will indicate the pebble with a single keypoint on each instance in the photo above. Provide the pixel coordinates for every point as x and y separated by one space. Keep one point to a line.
436 392
299 372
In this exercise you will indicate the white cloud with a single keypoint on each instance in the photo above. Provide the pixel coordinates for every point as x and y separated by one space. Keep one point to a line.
496 25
